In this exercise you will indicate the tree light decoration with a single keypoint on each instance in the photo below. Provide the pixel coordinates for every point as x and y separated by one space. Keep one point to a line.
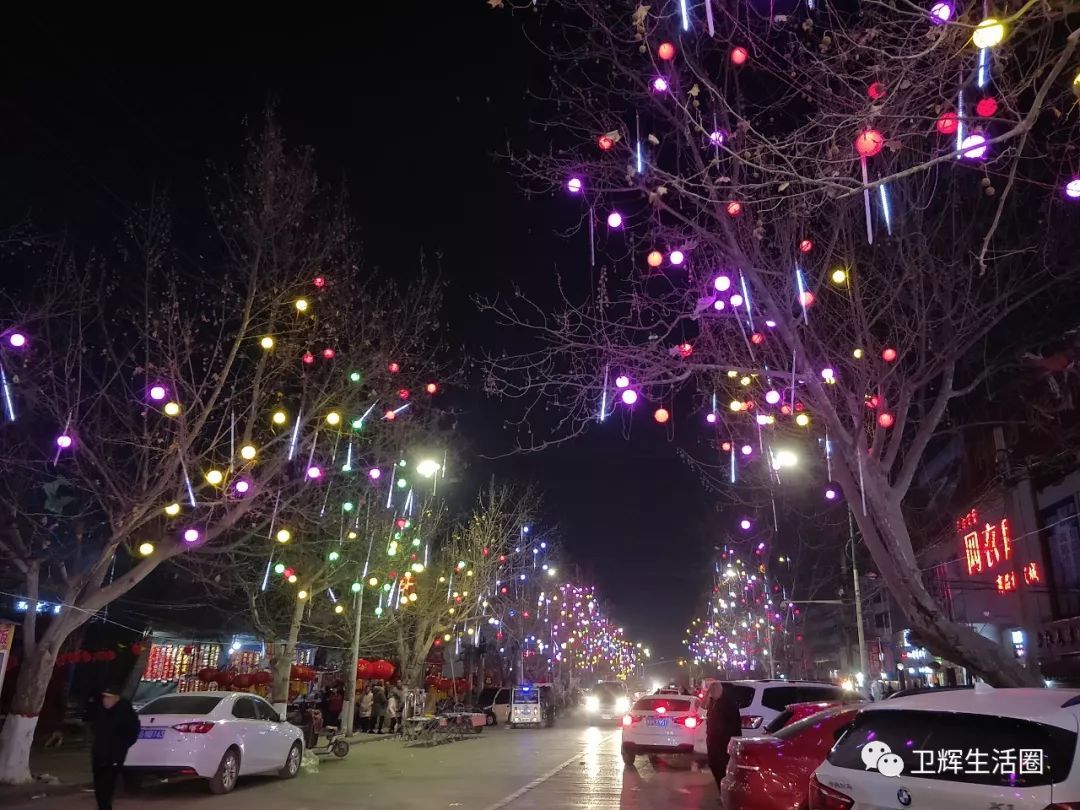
772 397
215 477
739 55
987 107
247 452
157 392
734 209
806 298
828 374
941 13
988 33
802 420
747 450
736 300
660 84
886 420
666 51
717 137
869 142
267 343
374 473
279 418
655 258
308 358
839 276
830 494
284 535
857 354
393 368
685 350
314 472
1072 188
677 257
757 338
888 355
661 415
328 353
403 393
146 549
191 536
745 525
710 418
63 441
622 381
16 340
301 305
948 122
172 510
390 416
876 91
333 418
291 579
606 143
319 282
432 388
719 304
785 459
574 185
806 245
241 487
614 220
629 396
171 409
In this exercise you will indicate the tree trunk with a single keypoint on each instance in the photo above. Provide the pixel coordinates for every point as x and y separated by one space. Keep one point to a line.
26 702
281 661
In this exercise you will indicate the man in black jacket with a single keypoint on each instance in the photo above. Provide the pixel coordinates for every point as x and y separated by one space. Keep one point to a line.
116 727
721 724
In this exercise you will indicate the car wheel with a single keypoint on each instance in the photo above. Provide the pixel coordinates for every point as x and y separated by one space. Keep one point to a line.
340 749
292 762
628 756
227 771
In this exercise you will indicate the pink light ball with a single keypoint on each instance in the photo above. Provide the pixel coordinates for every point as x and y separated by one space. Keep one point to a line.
739 55
660 84
888 355
747 450
17 340
374 473
830 494
241 487
745 525
828 374
666 51
622 381
574 185
711 418
722 283
1072 188
677 257
772 397
314 472
736 300
191 536
717 138
63 441
973 146
806 245
718 305
157 393
941 13
614 220
629 396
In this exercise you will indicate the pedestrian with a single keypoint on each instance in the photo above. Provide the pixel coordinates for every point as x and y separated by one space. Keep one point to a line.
335 701
378 709
366 701
393 710
116 727
721 724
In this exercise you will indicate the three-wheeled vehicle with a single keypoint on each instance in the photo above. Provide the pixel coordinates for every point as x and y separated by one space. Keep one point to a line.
532 705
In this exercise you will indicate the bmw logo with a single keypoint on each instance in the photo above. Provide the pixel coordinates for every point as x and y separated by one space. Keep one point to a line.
904 797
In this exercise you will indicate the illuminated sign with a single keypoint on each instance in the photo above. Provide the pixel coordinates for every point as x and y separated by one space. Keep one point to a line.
987 546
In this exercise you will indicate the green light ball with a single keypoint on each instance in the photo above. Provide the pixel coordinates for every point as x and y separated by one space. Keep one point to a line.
347 506
356 586
402 483
356 376
279 568
333 556
378 611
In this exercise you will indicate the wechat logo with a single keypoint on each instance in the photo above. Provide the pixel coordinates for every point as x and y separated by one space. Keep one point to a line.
877 756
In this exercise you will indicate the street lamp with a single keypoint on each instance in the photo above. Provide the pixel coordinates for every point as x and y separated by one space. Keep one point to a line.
428 467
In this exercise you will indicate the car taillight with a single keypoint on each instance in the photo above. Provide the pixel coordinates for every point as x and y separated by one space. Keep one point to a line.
627 720
690 721
751 721
824 798
193 728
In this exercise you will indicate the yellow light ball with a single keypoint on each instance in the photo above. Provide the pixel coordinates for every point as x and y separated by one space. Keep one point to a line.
333 418
446 637
267 343
736 405
839 276
146 549
215 477
339 609
732 373
284 536
857 354
412 597
292 579
418 568
172 510
745 381
279 418
988 33
247 452
802 420
301 305
301 594
373 581
171 409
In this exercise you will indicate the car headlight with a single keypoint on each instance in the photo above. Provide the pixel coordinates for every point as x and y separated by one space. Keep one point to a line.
592 703
622 705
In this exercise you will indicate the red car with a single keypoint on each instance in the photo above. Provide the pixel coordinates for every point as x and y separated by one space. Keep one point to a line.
799 711
773 772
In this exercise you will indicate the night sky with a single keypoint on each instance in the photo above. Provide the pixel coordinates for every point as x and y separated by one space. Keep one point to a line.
407 108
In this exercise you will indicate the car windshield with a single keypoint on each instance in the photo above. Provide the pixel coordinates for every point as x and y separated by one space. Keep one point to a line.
973 748
652 704
487 697
526 696
814 720
609 692
181 704
742 695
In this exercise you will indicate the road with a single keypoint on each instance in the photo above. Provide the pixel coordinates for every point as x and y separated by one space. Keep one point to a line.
569 766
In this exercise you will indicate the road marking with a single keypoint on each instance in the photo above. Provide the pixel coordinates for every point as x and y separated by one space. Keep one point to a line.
517 794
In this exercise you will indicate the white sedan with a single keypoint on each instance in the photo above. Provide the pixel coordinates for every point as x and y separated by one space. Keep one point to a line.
660 724
214 735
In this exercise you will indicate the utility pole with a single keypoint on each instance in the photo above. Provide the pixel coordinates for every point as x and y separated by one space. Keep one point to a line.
863 662
347 708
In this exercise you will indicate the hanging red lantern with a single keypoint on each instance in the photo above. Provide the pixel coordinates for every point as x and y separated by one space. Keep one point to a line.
363 669
243 681
224 679
948 123
869 143
987 107
262 678
606 143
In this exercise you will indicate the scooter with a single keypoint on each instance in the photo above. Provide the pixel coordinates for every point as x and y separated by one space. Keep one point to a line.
335 743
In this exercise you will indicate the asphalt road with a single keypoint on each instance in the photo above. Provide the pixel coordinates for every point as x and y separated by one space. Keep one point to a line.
570 766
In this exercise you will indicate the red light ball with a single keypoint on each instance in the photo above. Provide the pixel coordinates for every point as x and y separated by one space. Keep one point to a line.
432 388
666 51
606 143
328 353
886 420
785 410
869 142
948 123
739 55
320 282
308 358
390 416
757 338
726 447
873 402
876 91
888 355
655 258
403 393
806 298
661 415
734 209
393 368
805 246
987 107
685 349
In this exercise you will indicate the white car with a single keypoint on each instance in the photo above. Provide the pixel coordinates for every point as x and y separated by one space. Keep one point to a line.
214 735
660 724
1014 749
761 702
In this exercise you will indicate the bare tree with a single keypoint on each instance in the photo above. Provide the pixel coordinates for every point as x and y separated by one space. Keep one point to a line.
818 208
171 402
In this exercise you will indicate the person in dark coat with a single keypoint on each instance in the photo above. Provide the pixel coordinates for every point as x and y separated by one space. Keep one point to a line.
379 704
116 727
721 724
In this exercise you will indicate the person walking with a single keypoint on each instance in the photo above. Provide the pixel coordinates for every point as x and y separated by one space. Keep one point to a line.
721 724
378 709
366 701
393 710
335 701
116 727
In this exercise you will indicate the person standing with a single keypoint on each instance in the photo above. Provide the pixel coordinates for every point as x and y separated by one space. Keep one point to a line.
393 710
378 709
721 724
365 710
116 727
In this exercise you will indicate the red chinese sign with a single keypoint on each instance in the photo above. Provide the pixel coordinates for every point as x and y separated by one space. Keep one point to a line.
987 546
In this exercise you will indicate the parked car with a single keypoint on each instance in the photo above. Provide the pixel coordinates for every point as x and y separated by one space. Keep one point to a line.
218 736
660 724
922 690
760 702
962 749
773 772
495 703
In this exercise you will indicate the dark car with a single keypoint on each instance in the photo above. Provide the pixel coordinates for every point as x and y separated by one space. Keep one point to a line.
608 701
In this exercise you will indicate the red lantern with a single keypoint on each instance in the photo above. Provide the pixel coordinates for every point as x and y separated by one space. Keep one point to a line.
806 245
986 107
243 681
739 55
876 91
606 143
948 123
666 51
224 679
430 681
363 669
734 209
869 143
886 420
262 678
294 672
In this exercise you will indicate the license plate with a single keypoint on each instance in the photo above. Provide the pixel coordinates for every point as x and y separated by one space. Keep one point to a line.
151 733
656 721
